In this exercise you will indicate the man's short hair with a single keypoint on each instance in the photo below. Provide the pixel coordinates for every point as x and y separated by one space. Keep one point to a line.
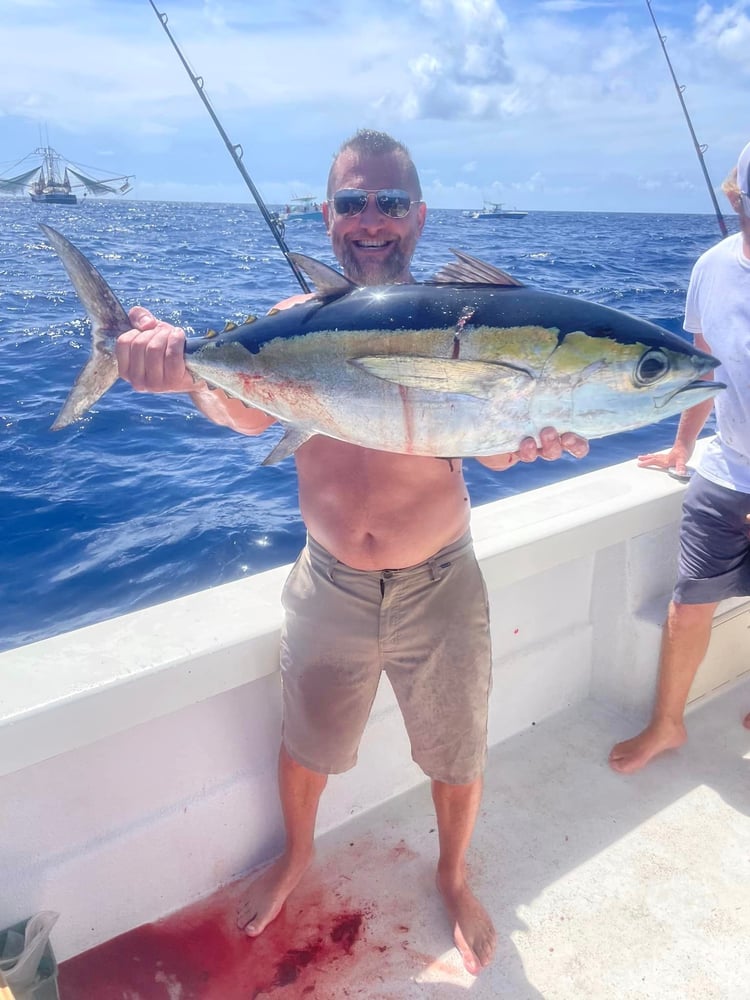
367 142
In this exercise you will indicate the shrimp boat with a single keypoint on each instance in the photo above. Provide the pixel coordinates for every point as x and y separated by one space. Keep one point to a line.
52 180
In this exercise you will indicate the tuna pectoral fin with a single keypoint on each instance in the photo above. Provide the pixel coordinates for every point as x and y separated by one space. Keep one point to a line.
445 375
292 439
97 375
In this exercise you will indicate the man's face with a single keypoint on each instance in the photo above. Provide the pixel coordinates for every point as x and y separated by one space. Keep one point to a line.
373 248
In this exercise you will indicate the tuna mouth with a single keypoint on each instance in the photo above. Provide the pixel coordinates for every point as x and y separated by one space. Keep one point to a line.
698 383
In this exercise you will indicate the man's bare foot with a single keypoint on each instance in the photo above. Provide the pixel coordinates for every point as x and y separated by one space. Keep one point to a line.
473 930
746 721
632 755
268 893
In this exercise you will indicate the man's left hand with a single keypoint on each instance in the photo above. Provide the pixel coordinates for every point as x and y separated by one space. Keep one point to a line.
551 447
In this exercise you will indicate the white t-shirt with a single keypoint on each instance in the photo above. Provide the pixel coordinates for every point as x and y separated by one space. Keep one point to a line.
718 306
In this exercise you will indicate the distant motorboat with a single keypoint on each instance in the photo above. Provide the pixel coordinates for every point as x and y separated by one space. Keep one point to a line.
494 210
49 181
302 210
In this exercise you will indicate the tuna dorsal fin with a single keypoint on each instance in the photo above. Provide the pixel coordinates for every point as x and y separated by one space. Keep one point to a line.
329 283
467 270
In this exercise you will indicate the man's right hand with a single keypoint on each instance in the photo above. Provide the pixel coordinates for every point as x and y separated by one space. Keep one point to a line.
151 356
676 458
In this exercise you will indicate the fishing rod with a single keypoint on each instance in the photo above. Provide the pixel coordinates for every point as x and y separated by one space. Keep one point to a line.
700 149
235 151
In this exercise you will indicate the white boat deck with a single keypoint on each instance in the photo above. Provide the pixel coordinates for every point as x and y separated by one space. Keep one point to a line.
601 886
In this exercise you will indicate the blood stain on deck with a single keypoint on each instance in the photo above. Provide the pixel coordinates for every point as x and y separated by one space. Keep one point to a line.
328 941
199 954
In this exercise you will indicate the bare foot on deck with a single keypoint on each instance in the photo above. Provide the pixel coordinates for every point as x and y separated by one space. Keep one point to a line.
632 755
473 930
268 892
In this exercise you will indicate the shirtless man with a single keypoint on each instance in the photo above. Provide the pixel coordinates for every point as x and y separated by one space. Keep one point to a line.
367 510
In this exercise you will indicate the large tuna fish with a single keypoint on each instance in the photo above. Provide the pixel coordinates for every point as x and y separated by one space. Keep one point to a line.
466 365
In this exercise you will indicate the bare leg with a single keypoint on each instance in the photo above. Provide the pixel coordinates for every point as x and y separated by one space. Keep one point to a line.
300 790
746 721
684 643
457 807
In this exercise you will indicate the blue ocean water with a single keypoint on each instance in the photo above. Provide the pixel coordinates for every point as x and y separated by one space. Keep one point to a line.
144 500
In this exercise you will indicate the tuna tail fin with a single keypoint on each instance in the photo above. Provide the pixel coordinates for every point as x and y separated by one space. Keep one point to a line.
108 320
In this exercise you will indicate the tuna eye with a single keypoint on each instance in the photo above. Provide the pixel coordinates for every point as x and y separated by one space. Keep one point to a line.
651 367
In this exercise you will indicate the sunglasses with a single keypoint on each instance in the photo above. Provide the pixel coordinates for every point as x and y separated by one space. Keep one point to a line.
393 202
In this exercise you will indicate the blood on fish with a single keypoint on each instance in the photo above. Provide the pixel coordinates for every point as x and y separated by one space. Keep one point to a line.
403 392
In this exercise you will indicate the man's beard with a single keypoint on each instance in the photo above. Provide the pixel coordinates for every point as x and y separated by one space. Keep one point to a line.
383 271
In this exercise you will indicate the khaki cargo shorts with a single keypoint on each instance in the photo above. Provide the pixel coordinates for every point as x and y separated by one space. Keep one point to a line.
426 626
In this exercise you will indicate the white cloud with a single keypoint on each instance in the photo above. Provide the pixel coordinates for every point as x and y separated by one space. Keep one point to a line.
534 183
459 71
725 32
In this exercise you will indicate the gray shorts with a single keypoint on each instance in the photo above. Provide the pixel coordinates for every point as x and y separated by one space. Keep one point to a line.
714 544
426 626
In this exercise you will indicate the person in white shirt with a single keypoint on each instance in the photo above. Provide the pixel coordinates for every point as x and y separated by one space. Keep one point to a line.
715 531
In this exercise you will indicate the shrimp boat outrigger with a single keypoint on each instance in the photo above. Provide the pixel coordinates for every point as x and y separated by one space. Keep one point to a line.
49 181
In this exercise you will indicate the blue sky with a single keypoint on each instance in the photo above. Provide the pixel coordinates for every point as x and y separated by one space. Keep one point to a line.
541 104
